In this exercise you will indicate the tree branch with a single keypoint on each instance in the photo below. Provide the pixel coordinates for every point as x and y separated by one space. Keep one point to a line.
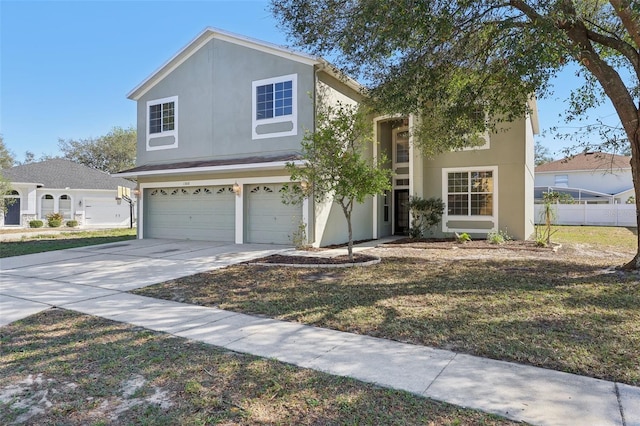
623 10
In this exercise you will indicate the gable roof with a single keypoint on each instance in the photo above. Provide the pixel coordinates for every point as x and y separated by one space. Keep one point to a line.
59 173
209 34
588 161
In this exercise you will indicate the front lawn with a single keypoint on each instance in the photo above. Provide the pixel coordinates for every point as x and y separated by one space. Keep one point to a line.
41 242
602 236
564 311
60 367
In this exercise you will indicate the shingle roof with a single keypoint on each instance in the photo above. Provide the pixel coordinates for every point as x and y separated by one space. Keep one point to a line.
60 173
587 161
211 163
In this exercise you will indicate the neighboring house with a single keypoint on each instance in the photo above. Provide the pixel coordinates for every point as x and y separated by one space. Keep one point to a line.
62 186
592 177
219 120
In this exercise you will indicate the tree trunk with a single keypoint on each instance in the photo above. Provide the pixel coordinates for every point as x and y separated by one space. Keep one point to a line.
346 209
350 245
634 264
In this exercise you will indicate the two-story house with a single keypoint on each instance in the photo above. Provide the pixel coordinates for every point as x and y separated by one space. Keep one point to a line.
218 122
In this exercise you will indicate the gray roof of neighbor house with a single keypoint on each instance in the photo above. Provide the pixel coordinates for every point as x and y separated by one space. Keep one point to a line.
59 173
587 161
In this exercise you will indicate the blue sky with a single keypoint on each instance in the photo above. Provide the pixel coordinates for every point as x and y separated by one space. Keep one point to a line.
66 66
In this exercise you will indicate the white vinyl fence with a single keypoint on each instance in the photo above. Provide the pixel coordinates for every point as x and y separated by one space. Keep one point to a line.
590 214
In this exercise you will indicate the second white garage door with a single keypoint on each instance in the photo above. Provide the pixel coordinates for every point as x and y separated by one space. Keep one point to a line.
268 219
194 213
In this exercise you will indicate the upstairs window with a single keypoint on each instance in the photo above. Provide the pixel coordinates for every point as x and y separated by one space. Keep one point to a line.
274 110
162 117
274 100
162 123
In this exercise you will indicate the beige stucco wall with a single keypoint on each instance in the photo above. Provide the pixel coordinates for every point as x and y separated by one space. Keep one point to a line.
509 152
330 226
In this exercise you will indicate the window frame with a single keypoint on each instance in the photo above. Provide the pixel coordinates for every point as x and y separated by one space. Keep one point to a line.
469 216
163 133
394 139
293 117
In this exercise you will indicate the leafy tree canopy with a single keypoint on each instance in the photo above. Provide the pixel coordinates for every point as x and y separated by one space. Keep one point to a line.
113 152
6 157
448 58
542 154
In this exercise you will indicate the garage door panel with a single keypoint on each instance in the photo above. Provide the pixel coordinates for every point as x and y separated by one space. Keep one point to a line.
199 213
269 220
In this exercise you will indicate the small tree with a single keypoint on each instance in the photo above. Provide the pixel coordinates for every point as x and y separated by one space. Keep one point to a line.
336 164
6 162
111 153
549 200
425 214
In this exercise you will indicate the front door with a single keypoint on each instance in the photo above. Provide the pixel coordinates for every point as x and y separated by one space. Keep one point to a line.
12 216
401 211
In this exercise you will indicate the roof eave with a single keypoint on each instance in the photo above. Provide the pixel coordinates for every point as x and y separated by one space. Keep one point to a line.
211 169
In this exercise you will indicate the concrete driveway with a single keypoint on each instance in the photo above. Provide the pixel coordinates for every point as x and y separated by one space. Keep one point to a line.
35 282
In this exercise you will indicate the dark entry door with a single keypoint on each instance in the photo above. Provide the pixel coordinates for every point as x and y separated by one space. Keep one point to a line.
401 211
12 216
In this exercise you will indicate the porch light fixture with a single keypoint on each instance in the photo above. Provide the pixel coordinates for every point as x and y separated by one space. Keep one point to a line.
136 192
304 185
237 189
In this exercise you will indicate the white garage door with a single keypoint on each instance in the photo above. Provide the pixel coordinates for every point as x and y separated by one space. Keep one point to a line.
268 219
194 213
105 212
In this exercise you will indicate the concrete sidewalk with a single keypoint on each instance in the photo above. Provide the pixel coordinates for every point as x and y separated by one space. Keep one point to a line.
535 395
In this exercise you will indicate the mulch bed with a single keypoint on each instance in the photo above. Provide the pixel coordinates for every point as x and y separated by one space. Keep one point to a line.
314 260
450 244
433 243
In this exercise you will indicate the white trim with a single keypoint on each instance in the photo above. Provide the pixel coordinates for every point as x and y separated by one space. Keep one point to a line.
239 219
293 117
201 40
166 133
470 218
214 169
394 146
374 231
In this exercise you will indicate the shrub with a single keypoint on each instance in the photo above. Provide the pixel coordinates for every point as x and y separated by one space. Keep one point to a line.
54 220
72 223
498 237
36 224
425 214
462 238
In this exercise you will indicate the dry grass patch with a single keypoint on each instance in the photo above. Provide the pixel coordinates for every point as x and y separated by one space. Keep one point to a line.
60 367
557 310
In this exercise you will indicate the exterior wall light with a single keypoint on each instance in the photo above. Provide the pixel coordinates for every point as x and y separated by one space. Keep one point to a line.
237 189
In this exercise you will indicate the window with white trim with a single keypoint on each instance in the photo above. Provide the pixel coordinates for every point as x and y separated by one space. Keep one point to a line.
274 106
561 181
162 123
470 193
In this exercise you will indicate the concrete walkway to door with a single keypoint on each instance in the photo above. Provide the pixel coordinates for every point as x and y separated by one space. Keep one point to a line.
94 280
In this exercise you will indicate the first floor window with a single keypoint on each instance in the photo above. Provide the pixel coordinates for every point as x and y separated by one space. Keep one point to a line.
470 193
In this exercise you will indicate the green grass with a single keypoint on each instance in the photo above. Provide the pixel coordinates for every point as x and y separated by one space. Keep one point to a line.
618 237
562 310
71 369
38 243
